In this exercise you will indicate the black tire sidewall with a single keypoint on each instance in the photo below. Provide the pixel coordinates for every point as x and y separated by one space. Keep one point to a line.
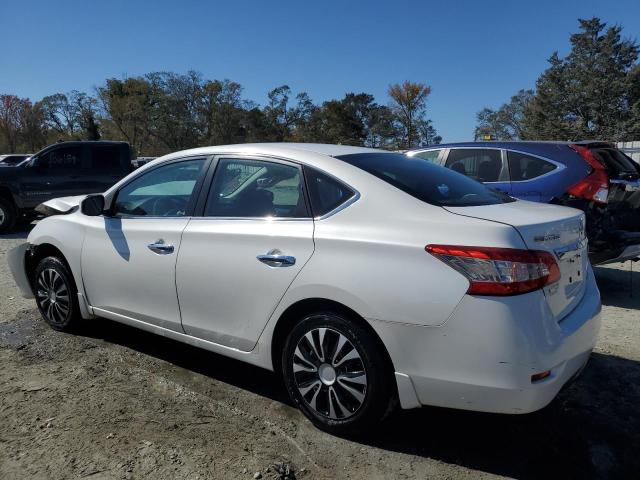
60 267
9 216
380 387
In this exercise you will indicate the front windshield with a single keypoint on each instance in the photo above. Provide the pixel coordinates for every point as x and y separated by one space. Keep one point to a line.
425 181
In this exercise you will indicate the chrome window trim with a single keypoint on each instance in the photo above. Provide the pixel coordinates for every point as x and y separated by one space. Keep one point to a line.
342 206
264 219
559 166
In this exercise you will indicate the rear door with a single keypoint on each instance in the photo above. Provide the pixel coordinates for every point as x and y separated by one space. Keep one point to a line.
532 177
238 259
485 165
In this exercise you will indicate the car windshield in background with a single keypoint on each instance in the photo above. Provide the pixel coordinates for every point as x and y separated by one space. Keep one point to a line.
425 181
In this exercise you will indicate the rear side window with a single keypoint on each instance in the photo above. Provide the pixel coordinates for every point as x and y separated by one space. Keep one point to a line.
525 167
105 158
480 164
325 192
429 156
425 181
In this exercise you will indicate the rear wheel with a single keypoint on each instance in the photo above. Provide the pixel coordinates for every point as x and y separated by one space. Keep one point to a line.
337 374
56 294
7 215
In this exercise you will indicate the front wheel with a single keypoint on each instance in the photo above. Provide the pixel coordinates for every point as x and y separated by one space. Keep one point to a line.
56 294
337 374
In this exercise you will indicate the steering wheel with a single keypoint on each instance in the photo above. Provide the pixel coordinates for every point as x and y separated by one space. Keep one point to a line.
167 207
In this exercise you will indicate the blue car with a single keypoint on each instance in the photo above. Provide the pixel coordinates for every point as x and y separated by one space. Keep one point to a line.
592 176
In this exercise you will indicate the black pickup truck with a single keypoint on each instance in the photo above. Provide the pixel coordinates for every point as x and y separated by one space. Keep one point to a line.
60 170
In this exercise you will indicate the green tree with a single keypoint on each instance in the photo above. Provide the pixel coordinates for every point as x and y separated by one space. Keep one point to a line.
409 103
588 93
506 123
126 112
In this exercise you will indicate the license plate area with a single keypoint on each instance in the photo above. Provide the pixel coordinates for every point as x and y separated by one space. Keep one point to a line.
572 267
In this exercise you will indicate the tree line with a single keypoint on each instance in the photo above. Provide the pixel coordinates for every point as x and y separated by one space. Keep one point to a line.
162 112
591 93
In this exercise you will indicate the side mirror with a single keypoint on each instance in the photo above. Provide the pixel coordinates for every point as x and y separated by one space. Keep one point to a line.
93 205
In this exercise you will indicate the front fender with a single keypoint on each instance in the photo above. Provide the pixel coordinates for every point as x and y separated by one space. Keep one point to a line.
16 258
66 234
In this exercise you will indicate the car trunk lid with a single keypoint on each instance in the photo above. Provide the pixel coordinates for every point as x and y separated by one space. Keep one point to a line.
557 230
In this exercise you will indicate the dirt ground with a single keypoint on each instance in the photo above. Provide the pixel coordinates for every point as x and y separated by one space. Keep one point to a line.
115 402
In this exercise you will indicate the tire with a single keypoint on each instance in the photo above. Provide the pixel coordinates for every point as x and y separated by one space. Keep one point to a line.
7 215
343 384
56 294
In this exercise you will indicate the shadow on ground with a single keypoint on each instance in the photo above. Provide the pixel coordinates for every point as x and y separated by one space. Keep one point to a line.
620 287
590 430
19 231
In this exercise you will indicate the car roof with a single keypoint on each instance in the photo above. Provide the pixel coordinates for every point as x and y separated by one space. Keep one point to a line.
278 149
513 144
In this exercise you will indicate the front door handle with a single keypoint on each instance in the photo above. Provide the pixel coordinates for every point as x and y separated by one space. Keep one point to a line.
274 258
160 247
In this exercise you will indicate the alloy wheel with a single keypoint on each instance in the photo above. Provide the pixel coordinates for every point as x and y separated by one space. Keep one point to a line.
329 373
3 215
52 295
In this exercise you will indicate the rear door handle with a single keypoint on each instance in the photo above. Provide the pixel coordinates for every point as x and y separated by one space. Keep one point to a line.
160 247
274 258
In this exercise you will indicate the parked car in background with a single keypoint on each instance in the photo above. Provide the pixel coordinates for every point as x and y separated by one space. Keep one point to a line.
61 169
13 159
594 177
325 263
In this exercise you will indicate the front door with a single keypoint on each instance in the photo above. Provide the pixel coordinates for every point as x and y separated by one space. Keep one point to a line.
129 256
237 260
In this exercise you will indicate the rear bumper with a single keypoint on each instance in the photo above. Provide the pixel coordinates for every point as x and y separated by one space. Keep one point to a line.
16 258
483 357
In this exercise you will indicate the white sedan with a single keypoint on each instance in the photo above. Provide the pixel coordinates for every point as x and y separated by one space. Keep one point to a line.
365 278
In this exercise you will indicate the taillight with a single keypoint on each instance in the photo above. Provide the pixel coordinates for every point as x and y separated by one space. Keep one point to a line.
595 186
499 271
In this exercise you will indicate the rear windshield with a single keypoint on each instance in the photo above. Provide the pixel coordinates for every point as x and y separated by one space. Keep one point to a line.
615 161
425 181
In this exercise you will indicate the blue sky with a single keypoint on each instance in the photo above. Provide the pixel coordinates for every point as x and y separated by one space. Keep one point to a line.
472 53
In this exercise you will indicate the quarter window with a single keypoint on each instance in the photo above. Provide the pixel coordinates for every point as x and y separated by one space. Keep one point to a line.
525 167
429 155
256 188
480 164
326 193
162 192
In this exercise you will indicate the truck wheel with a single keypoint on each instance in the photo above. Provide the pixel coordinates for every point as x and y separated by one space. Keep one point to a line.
7 215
